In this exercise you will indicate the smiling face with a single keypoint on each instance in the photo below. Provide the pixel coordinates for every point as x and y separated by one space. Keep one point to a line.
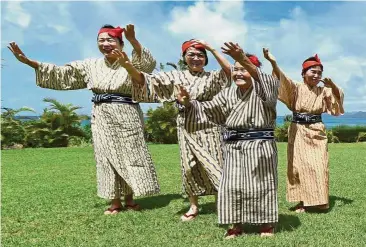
241 76
313 75
195 59
107 44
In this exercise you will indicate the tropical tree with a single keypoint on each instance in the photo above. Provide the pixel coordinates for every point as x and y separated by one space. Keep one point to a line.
12 129
161 125
58 123
281 132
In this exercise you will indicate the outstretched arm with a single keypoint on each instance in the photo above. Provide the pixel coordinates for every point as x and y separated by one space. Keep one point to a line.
224 63
69 77
237 53
204 112
19 54
272 60
142 58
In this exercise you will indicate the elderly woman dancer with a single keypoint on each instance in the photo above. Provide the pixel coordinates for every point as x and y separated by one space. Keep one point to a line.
248 187
200 144
307 150
123 162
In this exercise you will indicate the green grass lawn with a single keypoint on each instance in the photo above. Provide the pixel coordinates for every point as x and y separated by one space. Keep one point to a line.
49 199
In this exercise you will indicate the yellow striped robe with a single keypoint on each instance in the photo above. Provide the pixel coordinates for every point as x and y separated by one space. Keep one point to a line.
307 150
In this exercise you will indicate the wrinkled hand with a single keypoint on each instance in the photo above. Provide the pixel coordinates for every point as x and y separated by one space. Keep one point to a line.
18 53
328 82
122 58
233 50
204 43
183 96
268 55
130 32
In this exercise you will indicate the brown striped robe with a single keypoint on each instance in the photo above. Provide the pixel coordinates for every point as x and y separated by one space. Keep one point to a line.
200 144
124 165
248 187
307 150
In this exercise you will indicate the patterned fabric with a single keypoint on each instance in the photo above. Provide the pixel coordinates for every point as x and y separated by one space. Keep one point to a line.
200 144
124 164
248 186
109 97
307 150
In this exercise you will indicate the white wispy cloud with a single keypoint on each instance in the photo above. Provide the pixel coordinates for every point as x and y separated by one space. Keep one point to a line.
336 35
17 15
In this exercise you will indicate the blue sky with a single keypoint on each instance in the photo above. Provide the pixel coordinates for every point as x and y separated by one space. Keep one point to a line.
60 32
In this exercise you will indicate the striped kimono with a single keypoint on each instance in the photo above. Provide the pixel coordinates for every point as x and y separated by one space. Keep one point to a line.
307 150
248 187
123 162
200 144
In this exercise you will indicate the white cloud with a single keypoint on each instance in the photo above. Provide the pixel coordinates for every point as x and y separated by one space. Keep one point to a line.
337 34
215 22
17 15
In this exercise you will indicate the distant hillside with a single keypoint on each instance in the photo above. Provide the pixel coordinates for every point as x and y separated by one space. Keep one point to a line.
359 114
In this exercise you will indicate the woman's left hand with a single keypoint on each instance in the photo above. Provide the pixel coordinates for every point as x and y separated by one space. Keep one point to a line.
130 32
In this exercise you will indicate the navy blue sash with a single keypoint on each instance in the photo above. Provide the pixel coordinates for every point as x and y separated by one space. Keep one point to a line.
112 98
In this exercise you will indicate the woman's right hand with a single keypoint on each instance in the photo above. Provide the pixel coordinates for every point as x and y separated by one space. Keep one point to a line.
18 53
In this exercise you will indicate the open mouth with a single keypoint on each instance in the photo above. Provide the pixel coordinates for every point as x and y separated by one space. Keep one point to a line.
196 63
107 50
239 77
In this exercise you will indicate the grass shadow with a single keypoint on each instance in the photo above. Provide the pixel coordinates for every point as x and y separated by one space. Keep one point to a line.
207 208
286 223
159 201
149 202
332 203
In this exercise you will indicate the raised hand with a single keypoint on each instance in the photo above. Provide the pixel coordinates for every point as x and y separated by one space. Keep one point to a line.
233 50
130 32
183 96
18 53
122 58
268 55
328 82
204 43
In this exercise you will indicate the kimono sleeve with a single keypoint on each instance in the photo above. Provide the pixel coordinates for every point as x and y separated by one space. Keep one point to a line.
159 87
267 87
220 80
71 76
209 111
331 103
144 63
287 90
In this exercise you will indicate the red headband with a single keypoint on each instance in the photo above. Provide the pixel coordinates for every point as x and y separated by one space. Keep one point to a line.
114 32
254 60
192 43
309 64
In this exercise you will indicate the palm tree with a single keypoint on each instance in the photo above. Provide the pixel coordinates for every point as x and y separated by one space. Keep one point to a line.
12 130
57 124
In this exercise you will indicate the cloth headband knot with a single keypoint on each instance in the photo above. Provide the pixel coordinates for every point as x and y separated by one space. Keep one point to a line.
113 32
254 60
309 64
188 44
